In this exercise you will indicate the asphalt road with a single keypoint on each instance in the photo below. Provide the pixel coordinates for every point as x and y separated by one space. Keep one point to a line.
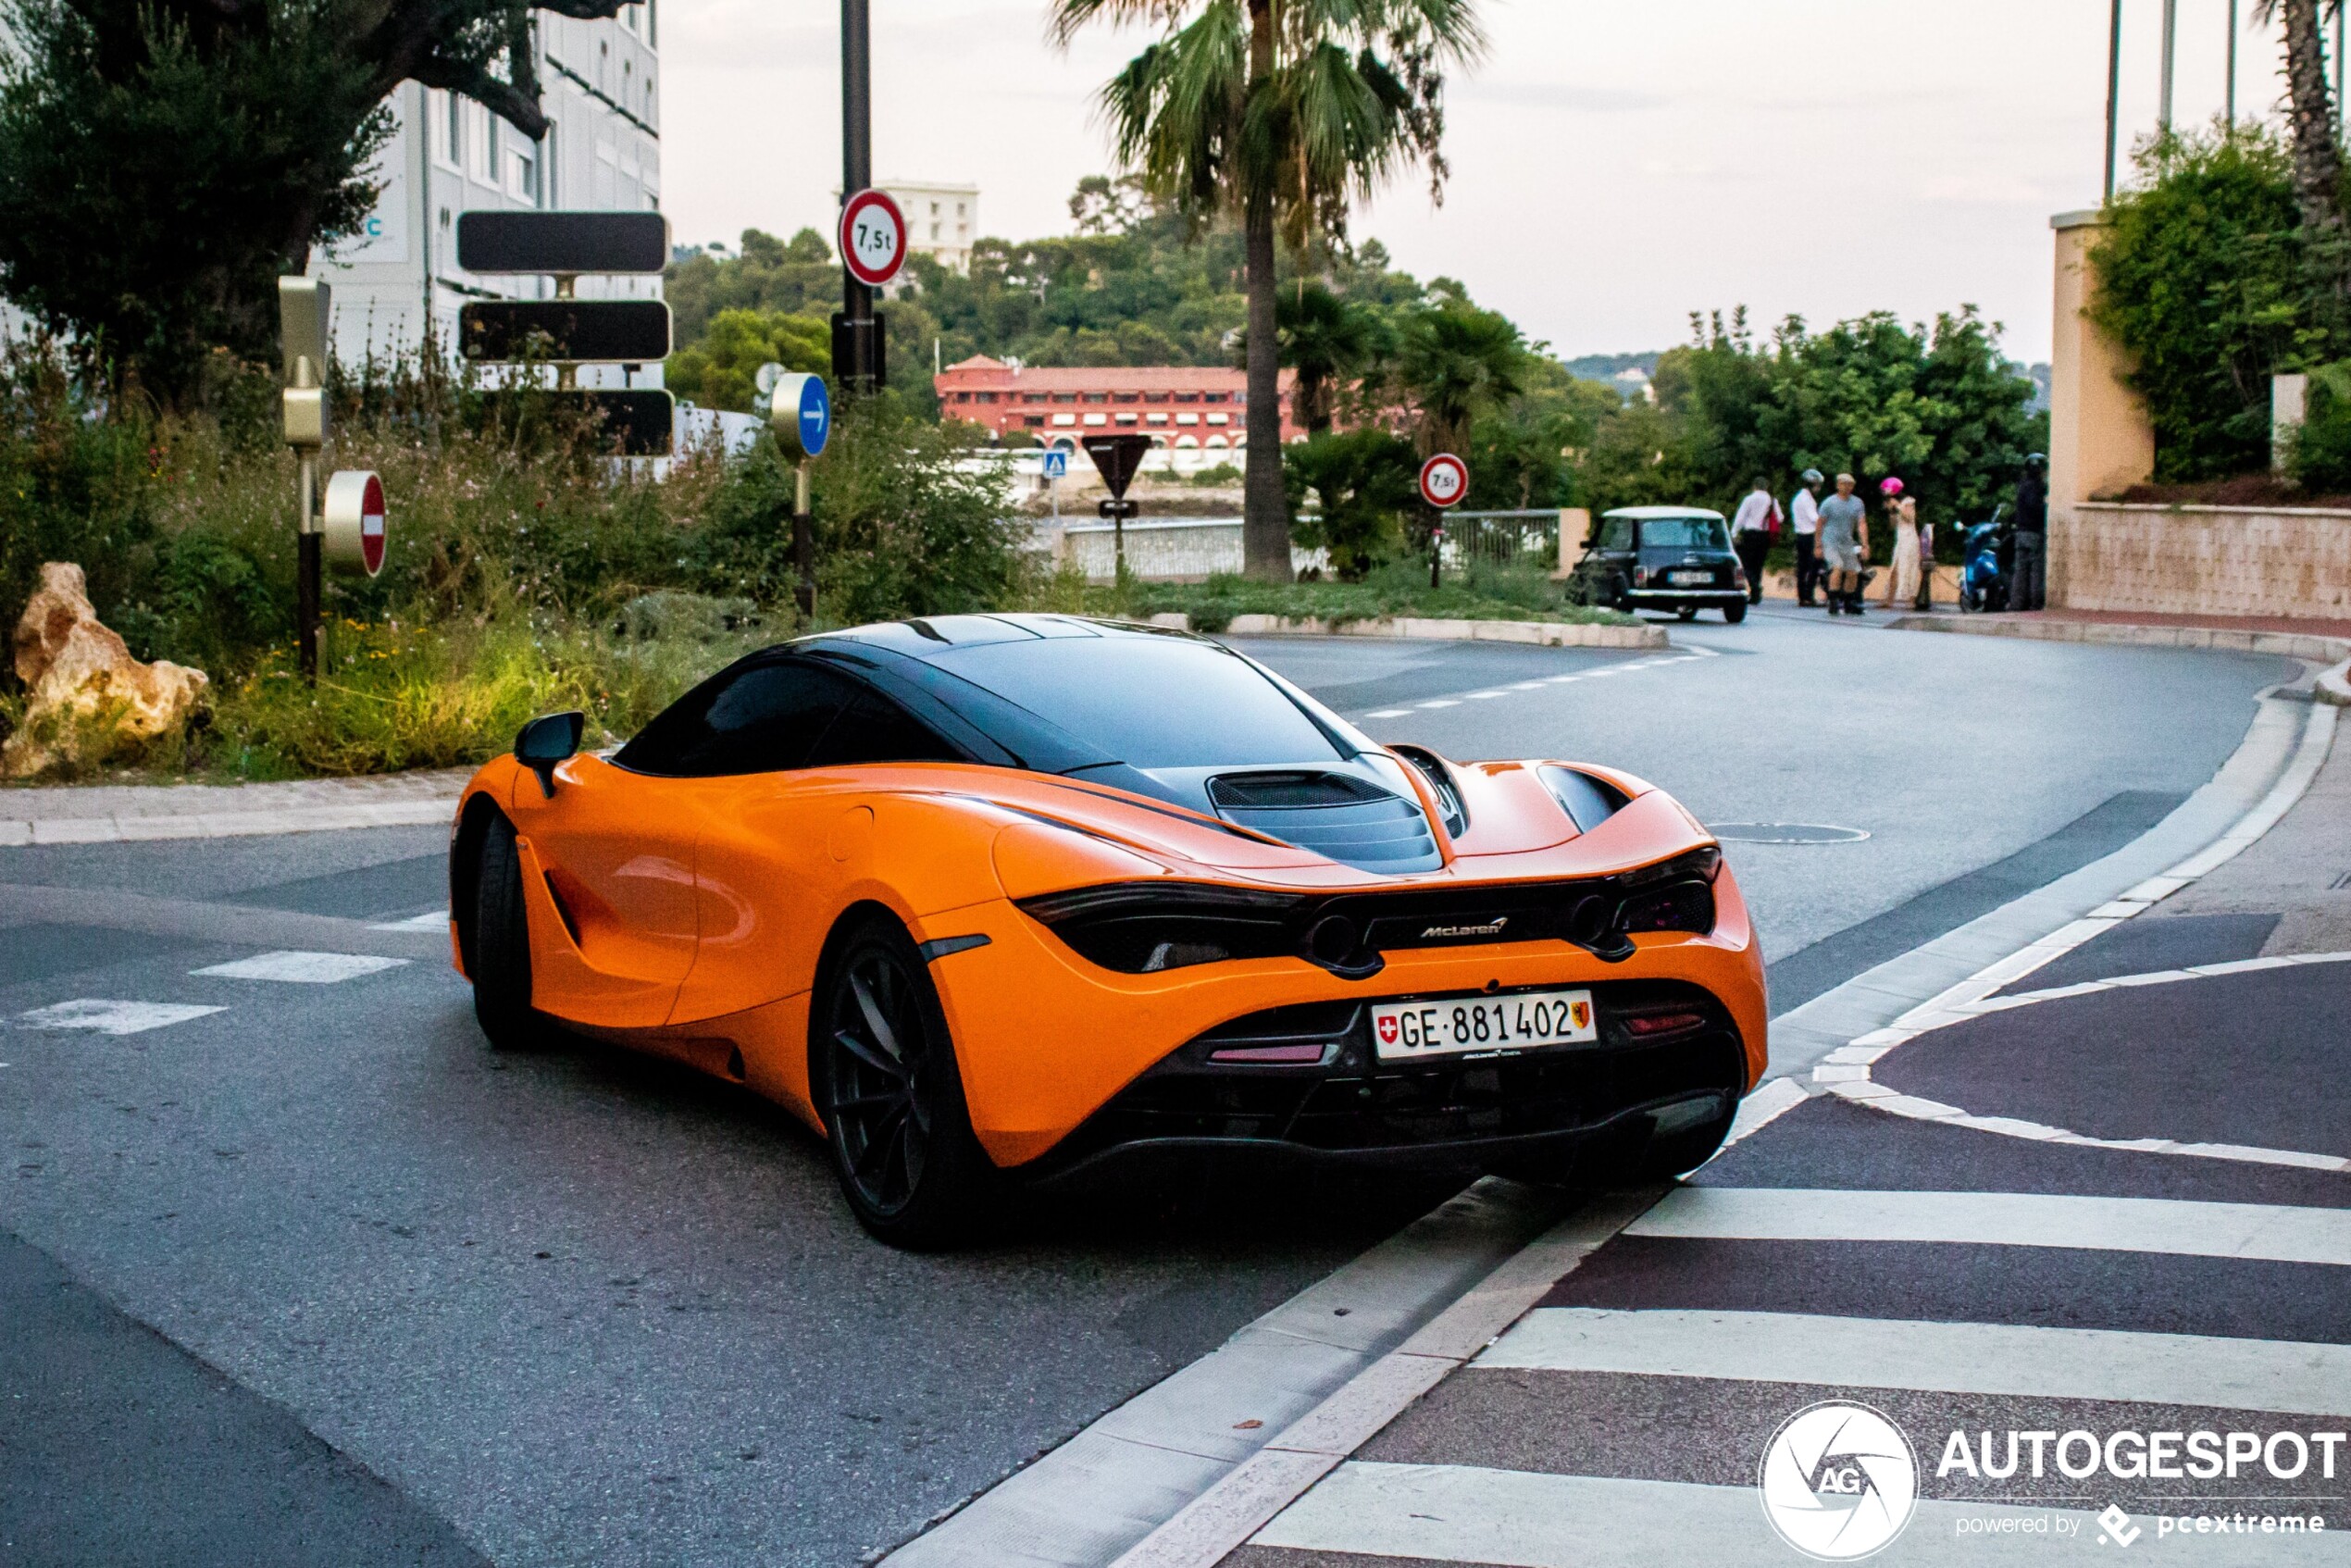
583 1307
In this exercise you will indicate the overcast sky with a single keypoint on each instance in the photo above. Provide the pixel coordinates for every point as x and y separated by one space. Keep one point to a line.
1615 164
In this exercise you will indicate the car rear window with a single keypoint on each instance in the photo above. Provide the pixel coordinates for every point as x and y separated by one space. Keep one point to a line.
1685 533
1147 702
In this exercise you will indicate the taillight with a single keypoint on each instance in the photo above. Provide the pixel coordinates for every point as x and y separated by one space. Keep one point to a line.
1673 895
1147 927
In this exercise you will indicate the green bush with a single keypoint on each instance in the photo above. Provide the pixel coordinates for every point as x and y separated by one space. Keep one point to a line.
2203 276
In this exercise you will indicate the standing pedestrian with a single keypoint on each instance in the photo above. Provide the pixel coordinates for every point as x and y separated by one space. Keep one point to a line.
2032 589
1902 522
1925 600
1845 544
1804 511
1752 527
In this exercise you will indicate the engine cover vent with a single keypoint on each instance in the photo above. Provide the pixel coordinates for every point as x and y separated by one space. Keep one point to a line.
1349 820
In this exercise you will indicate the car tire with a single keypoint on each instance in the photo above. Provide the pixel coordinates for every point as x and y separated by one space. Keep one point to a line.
891 1095
1734 613
502 945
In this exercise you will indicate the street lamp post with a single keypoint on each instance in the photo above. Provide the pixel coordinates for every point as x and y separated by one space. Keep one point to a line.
2232 109
2113 89
2170 37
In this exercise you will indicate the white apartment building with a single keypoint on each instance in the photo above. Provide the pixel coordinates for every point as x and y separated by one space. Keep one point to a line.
600 86
941 221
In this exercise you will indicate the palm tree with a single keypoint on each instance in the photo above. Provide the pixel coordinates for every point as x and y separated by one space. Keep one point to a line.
2317 151
1283 112
1326 340
1455 363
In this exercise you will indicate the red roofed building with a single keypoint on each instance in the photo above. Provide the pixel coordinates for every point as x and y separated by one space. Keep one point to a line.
1184 407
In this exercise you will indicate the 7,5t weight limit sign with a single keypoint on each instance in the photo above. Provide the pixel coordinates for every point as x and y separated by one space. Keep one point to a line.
1444 481
872 237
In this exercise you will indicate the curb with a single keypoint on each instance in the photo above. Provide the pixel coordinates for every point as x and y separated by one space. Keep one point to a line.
2333 685
2313 646
222 824
1541 634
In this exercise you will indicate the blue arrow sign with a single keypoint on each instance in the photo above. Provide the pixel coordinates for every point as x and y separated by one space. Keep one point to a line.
1056 465
800 412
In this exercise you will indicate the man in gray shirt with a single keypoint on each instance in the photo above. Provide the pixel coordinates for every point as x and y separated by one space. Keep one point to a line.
1845 544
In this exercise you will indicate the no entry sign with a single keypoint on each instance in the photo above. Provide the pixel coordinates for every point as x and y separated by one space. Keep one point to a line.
1444 481
355 522
872 237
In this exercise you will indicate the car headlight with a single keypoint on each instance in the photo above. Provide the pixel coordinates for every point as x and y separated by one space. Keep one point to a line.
1147 927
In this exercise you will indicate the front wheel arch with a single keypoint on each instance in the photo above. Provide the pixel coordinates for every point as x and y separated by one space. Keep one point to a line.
845 926
465 872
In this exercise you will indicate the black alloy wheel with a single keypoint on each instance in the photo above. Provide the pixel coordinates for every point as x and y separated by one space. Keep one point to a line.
500 947
892 1097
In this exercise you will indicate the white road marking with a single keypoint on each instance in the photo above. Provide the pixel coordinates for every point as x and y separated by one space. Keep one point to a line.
1460 1513
1526 686
1440 702
430 920
2254 1231
1485 696
1772 1100
1847 1071
112 1017
1958 1358
1391 713
301 968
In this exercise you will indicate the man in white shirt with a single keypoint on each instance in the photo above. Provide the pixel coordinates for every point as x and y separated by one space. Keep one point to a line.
1804 511
1751 529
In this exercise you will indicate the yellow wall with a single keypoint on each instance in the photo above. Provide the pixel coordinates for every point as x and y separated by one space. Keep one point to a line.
2100 440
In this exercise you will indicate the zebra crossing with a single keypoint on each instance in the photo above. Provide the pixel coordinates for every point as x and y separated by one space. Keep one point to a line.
2085 1352
115 1016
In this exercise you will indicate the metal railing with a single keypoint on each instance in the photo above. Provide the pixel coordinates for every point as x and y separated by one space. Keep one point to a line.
1528 538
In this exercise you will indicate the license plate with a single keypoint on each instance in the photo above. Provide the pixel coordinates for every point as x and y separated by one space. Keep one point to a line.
1689 579
1402 1030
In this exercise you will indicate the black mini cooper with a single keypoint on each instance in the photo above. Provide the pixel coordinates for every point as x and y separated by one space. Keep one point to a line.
1675 558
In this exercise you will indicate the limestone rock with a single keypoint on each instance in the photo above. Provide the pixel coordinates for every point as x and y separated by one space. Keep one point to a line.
83 684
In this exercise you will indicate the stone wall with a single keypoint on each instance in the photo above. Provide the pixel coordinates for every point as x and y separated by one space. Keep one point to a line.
2202 560
1160 549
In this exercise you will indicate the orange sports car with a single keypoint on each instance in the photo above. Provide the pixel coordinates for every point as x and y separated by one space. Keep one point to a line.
988 898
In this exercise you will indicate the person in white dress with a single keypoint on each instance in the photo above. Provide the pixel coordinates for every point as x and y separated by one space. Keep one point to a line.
1902 516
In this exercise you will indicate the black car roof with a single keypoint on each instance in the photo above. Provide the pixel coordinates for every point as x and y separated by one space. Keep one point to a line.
928 637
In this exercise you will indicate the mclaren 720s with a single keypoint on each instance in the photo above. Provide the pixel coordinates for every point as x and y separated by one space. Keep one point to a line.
986 899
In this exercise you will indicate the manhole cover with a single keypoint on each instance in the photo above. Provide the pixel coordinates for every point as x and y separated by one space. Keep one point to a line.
1786 833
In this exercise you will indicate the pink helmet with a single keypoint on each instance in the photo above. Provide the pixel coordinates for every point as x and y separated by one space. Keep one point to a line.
1890 489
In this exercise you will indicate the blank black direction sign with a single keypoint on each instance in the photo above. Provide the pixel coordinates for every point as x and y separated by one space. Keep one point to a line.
559 243
573 331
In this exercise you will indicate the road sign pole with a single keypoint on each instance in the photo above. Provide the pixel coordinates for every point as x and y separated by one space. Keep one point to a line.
804 546
308 571
854 370
303 317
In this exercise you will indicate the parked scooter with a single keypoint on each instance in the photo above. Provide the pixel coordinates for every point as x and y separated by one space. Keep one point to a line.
1987 564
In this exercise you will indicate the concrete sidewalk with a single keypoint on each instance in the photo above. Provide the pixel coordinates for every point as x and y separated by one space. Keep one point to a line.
114 813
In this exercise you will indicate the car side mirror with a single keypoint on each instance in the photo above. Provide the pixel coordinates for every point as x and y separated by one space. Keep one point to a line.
548 741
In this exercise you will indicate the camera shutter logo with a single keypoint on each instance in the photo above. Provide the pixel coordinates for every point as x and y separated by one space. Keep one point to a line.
1839 1481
